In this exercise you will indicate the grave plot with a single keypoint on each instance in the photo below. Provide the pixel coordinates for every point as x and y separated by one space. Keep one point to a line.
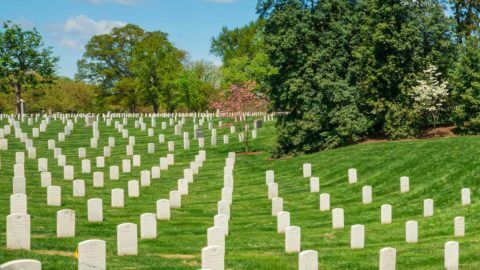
81 185
374 206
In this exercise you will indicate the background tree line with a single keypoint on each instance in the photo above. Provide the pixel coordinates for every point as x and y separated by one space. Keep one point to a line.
128 69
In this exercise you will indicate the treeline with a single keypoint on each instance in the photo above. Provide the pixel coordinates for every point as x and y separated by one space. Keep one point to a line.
346 70
128 69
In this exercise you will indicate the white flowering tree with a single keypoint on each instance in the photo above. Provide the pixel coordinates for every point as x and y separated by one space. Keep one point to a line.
430 95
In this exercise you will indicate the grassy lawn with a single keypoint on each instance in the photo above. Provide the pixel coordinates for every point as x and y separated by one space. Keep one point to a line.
438 169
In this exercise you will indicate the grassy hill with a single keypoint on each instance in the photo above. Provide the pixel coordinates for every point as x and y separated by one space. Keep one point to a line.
438 169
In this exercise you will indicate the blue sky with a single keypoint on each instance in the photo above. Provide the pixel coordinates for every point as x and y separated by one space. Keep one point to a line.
67 25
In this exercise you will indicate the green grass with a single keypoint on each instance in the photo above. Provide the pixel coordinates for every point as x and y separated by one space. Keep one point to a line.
437 168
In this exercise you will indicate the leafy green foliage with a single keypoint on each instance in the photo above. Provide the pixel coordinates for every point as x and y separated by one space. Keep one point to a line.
24 60
465 85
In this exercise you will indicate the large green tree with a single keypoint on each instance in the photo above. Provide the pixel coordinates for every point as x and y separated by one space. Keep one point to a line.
24 60
156 64
107 62
243 55
308 43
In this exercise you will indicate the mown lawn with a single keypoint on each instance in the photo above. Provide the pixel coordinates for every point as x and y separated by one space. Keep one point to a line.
437 168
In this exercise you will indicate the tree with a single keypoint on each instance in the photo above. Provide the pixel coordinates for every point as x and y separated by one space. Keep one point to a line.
106 62
24 60
308 44
156 63
241 100
465 86
467 17
243 54
430 95
198 84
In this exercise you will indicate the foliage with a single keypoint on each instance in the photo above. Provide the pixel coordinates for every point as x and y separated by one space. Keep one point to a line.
155 64
465 86
241 100
243 54
346 68
198 85
24 60
430 95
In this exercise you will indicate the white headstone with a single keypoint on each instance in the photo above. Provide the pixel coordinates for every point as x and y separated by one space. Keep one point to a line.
22 264
18 203
465 196
145 178
42 164
163 209
221 221
82 152
127 242
357 236
292 239
367 195
428 208
459 226
277 206
118 198
213 258
269 177
148 226
283 221
308 260
78 188
175 199
307 170
133 189
100 162
92 255
272 190
324 202
137 161
19 185
314 184
98 179
54 195
18 231
114 172
126 166
338 218
352 176
404 184
86 166
95 210
452 254
386 214
216 236
45 179
388 259
65 223
411 231
68 172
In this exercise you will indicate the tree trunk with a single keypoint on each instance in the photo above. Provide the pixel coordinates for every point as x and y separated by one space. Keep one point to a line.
155 107
18 98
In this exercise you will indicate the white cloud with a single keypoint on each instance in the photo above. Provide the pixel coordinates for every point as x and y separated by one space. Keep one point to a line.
75 32
120 2
83 25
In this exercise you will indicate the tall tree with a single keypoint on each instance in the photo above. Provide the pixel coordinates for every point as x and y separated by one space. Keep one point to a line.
107 62
24 60
156 64
243 54
467 17
308 43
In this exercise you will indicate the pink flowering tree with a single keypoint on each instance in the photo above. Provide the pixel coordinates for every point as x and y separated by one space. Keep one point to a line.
240 101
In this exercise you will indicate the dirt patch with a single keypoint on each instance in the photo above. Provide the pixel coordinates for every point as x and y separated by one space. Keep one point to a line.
177 256
54 252
329 235
250 153
40 236
439 132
